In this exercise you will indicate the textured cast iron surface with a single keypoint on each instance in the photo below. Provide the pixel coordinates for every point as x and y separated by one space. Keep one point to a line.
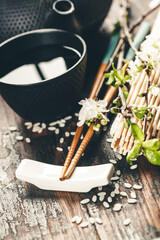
50 99
17 16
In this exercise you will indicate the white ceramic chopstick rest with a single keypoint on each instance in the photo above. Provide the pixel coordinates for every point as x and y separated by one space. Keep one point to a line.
46 176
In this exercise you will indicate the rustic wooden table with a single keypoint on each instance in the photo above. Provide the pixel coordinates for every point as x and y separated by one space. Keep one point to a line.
27 212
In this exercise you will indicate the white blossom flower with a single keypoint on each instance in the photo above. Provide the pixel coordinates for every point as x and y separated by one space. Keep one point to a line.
133 68
91 109
155 91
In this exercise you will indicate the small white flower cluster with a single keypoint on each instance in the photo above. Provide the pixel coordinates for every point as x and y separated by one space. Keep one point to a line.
155 90
149 53
92 110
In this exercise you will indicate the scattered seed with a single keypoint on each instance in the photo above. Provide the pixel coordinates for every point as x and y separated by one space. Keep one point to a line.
73 133
133 167
40 130
94 198
127 185
137 187
98 220
127 221
68 118
76 114
91 219
85 201
35 128
109 199
109 140
117 207
79 220
116 191
63 121
101 194
51 128
118 172
81 137
28 123
12 128
37 124
131 200
68 147
84 224
19 138
44 125
119 156
28 140
100 188
114 178
74 219
67 134
112 194
117 185
57 131
59 149
61 125
101 198
106 204
29 126
124 194
133 195
61 140
52 124
113 161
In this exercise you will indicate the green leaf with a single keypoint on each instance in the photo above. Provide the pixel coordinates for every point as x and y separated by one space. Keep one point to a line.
152 144
135 151
139 112
152 156
140 67
137 132
126 125
127 77
125 92
110 80
116 73
107 75
123 71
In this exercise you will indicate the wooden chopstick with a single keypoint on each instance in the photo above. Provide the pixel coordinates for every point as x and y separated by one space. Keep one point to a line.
94 92
142 32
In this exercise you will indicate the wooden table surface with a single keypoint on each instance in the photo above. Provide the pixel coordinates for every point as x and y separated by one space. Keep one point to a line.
27 212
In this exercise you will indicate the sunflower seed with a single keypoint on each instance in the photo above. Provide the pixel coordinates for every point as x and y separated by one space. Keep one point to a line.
61 140
127 185
109 199
12 128
67 134
116 191
19 138
84 224
85 201
29 126
94 198
51 128
68 147
91 219
63 121
74 219
114 178
98 220
117 207
76 114
133 167
40 130
137 187
68 118
79 220
113 161
59 149
117 185
61 125
133 195
101 194
124 194
127 221
106 204
28 140
57 131
35 128
37 124
100 188
131 200
101 198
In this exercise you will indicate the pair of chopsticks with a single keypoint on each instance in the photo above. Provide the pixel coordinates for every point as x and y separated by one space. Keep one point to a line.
69 165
